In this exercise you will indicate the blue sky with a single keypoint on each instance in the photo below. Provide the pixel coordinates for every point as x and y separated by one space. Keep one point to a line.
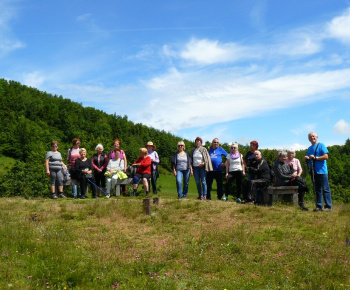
260 70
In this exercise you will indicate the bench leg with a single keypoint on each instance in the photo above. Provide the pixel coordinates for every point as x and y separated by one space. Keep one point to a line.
117 190
295 199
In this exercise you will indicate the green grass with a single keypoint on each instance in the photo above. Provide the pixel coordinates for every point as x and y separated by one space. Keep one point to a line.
6 163
184 244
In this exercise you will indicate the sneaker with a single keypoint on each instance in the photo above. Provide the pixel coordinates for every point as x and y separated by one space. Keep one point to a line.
61 195
225 198
204 198
327 209
54 196
82 197
318 209
108 195
238 200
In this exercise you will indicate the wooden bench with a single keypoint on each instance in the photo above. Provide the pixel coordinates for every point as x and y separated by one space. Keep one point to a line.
276 193
125 181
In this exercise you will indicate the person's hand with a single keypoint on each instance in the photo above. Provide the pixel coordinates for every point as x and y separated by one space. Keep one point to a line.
192 172
226 175
48 173
243 173
312 157
175 173
201 165
222 164
294 174
306 157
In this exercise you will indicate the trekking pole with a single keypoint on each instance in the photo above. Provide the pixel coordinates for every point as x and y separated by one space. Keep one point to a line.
97 186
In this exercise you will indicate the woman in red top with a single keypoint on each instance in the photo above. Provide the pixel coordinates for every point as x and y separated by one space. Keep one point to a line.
143 164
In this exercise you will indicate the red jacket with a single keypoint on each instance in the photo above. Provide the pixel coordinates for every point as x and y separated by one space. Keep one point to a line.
145 166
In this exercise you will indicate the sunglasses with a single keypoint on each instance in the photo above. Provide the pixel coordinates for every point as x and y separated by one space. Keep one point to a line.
180 145
215 142
55 146
233 147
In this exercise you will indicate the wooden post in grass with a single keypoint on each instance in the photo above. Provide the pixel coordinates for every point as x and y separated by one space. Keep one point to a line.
147 205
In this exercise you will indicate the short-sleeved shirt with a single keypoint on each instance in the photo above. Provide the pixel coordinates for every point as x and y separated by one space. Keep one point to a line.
320 165
197 157
181 162
55 159
215 156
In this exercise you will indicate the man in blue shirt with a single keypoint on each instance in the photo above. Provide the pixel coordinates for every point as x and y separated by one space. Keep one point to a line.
316 155
215 153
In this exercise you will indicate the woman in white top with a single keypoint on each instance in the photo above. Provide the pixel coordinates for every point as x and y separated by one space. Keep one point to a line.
234 170
114 165
201 163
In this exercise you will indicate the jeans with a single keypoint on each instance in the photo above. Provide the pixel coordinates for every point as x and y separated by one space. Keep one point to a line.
153 182
75 186
199 176
217 175
322 188
185 175
255 184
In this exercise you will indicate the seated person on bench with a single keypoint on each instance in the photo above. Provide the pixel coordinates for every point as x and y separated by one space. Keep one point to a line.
143 171
261 176
287 176
114 165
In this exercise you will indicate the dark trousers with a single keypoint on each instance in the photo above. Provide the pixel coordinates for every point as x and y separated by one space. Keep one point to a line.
253 186
234 175
217 175
83 185
153 182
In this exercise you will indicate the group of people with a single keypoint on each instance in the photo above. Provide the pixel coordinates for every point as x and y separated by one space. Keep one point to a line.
206 166
102 171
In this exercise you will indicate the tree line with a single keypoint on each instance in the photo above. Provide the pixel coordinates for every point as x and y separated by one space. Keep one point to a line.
30 119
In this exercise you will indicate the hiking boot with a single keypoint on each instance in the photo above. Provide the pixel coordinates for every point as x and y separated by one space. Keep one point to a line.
238 200
54 196
318 209
225 198
327 209
204 198
108 195
61 195
82 197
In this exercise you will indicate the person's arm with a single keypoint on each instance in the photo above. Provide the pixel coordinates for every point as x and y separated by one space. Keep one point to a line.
227 165
93 164
47 167
105 164
299 168
125 162
280 174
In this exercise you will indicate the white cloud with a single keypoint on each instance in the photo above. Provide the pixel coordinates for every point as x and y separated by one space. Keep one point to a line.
7 42
206 52
341 127
339 27
195 99
297 147
34 79
83 17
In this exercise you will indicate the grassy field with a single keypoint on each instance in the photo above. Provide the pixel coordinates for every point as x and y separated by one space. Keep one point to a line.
184 244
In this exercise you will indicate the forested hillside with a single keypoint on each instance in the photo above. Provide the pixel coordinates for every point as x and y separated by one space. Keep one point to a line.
31 119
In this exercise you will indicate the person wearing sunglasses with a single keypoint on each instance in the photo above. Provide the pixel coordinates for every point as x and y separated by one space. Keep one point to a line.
235 170
216 152
181 164
53 165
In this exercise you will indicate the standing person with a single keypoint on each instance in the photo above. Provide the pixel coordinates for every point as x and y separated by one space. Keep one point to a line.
235 170
114 165
99 163
201 164
182 168
249 158
72 155
215 153
83 167
317 156
116 144
155 161
53 165
143 171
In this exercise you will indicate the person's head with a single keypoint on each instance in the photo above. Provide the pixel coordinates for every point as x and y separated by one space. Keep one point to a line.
117 153
198 142
279 152
143 152
215 143
291 154
254 145
150 146
99 148
257 155
181 146
116 143
54 145
76 142
82 152
313 137
283 156
234 146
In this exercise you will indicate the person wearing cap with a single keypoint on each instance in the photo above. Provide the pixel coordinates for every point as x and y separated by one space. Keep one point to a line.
215 153
154 168
201 164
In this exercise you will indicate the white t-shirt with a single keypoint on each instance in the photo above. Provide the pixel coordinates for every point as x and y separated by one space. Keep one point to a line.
197 157
235 164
